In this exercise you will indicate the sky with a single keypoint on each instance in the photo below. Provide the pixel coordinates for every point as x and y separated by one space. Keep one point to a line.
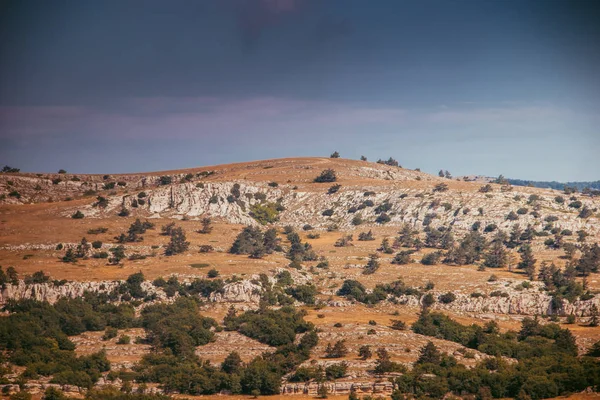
484 87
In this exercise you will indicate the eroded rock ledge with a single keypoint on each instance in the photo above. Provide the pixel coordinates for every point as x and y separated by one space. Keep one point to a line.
526 302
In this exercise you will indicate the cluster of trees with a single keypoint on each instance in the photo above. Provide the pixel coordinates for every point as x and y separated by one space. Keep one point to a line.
570 187
177 328
262 375
444 174
177 240
135 232
390 161
320 374
81 251
9 169
10 276
354 290
298 250
35 336
547 365
254 242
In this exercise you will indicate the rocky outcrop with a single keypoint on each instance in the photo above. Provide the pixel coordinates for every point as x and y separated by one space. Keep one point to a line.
517 303
416 206
383 387
238 292
52 293
524 302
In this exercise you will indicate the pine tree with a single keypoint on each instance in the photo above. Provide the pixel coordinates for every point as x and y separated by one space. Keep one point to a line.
11 276
206 225
594 321
177 243
429 354
322 392
527 260
385 246
364 352
497 256
69 256
514 239
372 265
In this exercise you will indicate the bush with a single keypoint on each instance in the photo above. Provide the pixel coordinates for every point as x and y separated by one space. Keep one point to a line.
512 216
100 254
447 298
78 215
327 175
327 213
110 333
124 339
267 213
383 218
97 244
431 258
334 189
213 273
585 212
165 180
303 293
486 188
428 300
398 325
372 265
338 350
440 187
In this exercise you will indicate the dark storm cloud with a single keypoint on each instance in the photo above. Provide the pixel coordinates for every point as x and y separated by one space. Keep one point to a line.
222 81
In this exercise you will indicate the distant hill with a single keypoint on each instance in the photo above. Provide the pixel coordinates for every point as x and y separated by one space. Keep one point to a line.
555 185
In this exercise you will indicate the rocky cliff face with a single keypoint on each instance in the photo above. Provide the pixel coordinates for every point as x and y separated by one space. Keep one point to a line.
417 207
339 388
526 302
238 292
52 293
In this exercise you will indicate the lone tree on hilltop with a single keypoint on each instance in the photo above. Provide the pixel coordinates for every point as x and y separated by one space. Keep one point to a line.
335 154
327 175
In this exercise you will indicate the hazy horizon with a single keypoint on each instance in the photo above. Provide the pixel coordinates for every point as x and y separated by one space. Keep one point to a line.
473 87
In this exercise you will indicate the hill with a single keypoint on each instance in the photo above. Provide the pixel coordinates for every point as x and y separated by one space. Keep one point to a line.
355 246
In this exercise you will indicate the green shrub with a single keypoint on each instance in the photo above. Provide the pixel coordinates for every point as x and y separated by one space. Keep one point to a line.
78 215
327 175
